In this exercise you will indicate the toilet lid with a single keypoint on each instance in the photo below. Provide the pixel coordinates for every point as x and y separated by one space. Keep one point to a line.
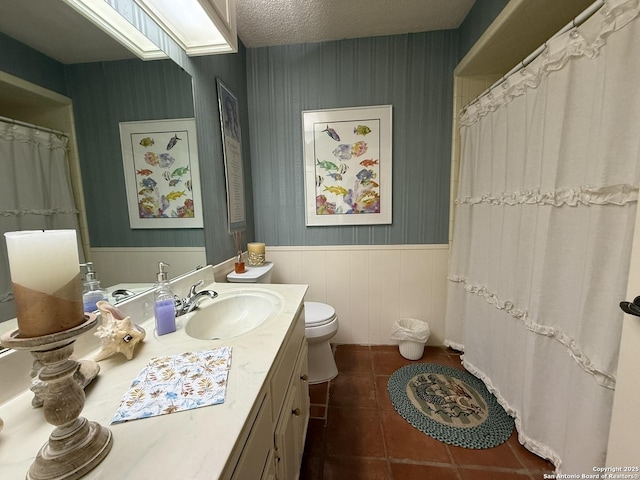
316 314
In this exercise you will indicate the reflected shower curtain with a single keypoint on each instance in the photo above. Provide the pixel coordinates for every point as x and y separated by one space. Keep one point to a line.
35 192
544 220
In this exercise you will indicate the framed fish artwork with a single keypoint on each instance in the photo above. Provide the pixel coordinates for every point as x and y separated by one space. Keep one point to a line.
347 157
162 177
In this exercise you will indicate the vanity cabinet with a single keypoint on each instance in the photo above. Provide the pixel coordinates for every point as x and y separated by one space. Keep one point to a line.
291 428
272 447
256 451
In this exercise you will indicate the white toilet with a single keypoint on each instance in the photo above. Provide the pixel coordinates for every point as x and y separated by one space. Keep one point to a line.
321 325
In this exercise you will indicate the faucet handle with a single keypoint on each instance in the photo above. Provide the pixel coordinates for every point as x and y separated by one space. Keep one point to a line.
178 302
192 290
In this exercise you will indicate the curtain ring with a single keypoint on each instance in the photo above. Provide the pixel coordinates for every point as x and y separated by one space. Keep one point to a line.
574 33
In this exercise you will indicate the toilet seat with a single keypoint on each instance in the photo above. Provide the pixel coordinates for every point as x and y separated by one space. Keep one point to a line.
318 314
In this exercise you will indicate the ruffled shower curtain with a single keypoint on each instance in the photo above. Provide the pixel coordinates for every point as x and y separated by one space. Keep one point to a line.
35 191
544 219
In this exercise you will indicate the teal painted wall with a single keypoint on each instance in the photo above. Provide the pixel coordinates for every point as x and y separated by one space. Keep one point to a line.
413 73
107 93
230 68
24 62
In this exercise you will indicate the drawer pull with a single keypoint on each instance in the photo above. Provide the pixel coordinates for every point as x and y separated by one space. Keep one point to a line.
304 377
297 412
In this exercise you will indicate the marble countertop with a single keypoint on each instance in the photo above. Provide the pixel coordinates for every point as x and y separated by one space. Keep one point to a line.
184 445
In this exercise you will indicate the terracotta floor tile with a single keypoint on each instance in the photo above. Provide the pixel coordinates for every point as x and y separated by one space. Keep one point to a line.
314 443
318 392
354 432
387 362
353 390
382 394
384 348
350 361
530 460
318 411
433 350
357 434
500 456
353 468
456 361
349 346
412 471
312 468
405 442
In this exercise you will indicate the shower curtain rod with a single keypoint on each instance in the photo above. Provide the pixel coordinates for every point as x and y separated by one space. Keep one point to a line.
30 125
579 20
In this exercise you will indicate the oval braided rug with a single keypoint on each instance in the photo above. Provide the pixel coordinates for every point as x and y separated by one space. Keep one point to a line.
449 405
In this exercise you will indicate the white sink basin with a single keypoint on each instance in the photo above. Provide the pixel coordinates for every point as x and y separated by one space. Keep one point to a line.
233 313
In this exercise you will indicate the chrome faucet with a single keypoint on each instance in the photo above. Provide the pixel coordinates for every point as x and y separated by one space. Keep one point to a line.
190 303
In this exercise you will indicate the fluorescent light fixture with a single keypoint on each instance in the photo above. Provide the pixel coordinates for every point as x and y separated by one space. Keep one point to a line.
111 22
200 27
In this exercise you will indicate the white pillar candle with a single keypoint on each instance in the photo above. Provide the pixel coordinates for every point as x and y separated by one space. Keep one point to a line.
45 274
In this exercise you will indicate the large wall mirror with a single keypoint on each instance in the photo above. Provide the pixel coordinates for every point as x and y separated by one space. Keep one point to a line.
84 87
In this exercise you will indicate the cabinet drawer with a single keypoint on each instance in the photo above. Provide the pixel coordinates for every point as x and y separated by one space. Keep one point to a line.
281 377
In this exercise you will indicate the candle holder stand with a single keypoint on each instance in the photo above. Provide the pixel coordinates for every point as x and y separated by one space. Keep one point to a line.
88 370
76 445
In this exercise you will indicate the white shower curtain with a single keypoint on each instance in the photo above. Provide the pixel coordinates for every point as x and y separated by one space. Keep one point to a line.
35 191
544 220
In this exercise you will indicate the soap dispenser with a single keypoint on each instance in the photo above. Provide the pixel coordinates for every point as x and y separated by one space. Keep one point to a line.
164 304
92 292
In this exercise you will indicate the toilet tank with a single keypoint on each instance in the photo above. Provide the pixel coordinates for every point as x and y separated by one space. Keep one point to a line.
259 274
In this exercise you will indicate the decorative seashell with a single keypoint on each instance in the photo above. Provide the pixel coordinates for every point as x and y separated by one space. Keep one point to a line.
117 334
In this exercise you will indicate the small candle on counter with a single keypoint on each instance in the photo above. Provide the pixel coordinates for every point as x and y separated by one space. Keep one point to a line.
256 253
45 276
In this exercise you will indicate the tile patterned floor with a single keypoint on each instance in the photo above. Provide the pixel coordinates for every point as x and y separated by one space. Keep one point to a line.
356 434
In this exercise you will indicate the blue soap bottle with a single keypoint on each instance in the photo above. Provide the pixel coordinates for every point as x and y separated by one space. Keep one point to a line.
92 292
164 307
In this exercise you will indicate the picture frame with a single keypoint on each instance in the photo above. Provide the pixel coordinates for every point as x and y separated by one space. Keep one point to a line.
232 151
162 176
348 166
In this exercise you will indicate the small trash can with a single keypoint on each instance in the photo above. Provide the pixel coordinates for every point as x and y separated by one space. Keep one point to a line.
412 334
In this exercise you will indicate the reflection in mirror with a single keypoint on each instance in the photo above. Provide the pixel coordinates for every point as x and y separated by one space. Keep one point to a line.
88 100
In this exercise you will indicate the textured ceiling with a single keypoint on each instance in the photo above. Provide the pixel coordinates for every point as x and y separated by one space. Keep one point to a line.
55 29
282 22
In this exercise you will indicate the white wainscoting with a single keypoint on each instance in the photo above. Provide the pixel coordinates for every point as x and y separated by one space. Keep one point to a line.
370 286
140 264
